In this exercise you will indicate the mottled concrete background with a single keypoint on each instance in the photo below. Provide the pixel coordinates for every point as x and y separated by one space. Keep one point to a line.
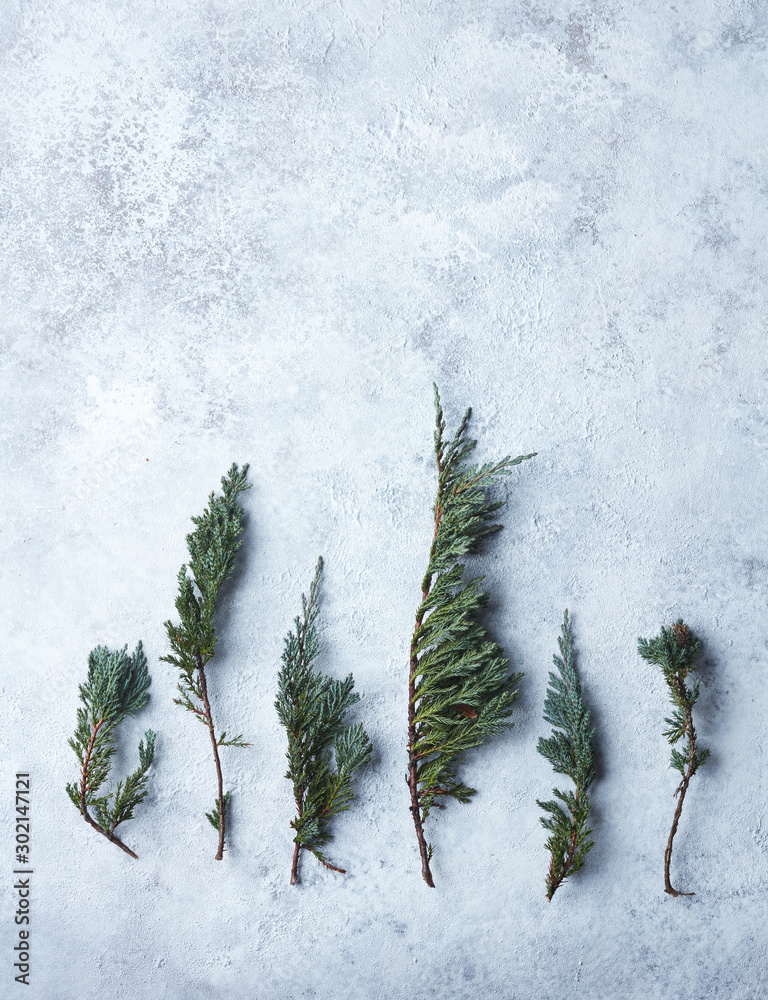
257 232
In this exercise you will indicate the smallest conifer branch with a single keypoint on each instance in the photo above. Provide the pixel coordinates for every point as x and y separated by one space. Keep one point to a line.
116 687
676 650
569 751
312 708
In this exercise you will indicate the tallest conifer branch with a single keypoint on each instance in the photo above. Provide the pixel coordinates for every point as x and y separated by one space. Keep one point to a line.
212 546
459 689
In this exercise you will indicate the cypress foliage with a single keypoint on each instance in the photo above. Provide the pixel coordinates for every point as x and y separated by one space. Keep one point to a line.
569 751
116 688
312 708
676 650
212 546
459 691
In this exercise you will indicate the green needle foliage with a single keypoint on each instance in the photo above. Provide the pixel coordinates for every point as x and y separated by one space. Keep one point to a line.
312 706
212 546
569 751
116 688
460 692
676 650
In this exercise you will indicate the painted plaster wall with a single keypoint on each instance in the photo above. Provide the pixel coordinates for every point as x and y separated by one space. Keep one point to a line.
258 232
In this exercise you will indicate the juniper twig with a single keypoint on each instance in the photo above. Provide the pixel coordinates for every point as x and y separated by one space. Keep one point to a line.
312 708
676 650
459 691
569 751
116 688
212 546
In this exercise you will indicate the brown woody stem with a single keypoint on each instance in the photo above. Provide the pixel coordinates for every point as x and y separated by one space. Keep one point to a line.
413 757
295 865
328 864
297 848
680 793
209 722
109 834
555 883
426 873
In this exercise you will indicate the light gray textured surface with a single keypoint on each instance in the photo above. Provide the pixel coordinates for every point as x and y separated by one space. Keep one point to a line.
258 233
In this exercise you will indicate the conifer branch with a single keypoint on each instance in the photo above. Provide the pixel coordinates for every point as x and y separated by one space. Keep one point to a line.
569 751
459 691
676 650
212 546
312 709
116 688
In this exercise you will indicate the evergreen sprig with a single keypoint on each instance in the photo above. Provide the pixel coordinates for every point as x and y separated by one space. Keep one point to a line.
212 546
312 707
116 688
676 650
460 692
569 751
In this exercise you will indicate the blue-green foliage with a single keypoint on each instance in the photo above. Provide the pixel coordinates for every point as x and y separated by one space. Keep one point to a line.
569 751
214 816
676 651
116 687
462 691
312 707
212 547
